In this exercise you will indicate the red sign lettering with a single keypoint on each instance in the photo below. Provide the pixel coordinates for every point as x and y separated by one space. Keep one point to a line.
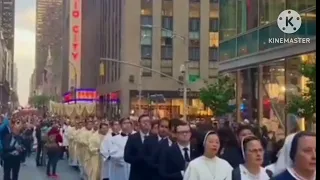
76 30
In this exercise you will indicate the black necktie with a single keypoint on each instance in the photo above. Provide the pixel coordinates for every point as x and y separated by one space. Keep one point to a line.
123 134
114 134
186 154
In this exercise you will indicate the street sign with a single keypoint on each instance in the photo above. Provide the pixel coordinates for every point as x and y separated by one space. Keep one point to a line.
193 78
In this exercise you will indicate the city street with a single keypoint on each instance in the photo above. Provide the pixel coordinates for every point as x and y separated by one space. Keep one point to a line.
31 172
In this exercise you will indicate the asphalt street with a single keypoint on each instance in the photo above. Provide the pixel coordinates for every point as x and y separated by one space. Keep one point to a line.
31 172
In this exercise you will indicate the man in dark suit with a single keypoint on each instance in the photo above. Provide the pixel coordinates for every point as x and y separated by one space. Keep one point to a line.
176 158
39 143
133 152
151 145
13 150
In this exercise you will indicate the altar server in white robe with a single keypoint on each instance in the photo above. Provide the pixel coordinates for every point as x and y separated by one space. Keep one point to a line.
119 169
105 155
209 166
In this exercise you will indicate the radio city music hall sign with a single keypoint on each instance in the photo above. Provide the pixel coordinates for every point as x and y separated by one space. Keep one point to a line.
76 30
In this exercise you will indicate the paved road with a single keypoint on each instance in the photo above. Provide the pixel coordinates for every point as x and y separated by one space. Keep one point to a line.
31 172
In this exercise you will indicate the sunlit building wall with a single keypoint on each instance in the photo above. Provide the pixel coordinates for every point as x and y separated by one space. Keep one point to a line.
162 35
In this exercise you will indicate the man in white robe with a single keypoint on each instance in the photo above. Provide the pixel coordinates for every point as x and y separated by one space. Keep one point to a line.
105 155
119 169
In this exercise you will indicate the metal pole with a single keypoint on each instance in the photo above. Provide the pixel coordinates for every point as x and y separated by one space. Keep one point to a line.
75 81
185 91
140 90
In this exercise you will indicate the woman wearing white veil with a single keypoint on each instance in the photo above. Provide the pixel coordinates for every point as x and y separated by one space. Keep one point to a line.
284 161
303 158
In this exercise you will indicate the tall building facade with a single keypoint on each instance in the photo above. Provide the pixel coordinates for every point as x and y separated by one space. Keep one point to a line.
161 35
7 8
265 72
81 43
49 34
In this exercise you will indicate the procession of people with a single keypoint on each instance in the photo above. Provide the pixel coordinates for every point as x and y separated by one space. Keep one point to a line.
172 149
148 149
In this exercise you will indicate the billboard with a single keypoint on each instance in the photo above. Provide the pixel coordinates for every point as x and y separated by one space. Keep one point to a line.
81 96
75 17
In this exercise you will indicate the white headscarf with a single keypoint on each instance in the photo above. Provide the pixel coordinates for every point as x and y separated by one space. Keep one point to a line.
284 161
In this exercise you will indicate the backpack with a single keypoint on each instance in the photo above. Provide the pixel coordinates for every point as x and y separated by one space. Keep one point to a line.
51 143
236 175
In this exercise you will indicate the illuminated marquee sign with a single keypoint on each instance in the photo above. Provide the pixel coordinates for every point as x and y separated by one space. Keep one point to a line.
82 95
75 44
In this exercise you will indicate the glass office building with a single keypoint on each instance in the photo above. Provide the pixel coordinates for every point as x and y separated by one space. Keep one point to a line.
264 72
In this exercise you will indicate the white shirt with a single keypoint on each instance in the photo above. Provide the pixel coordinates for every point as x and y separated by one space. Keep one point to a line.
182 151
246 175
203 168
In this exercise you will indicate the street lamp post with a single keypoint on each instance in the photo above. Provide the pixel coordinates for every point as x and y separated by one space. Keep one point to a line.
75 81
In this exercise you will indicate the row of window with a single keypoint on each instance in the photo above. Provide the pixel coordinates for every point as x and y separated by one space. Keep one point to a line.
194 23
167 53
166 67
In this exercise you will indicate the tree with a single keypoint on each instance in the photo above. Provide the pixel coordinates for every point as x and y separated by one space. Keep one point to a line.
39 100
304 104
217 96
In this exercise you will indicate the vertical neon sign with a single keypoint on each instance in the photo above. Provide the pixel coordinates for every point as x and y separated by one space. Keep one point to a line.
76 30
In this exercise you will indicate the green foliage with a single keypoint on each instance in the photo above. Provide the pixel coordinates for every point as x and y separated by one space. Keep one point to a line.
39 100
304 105
217 96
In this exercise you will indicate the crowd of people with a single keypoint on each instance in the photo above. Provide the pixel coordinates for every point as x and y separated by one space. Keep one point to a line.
147 149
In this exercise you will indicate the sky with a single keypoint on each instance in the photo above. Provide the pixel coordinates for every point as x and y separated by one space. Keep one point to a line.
24 45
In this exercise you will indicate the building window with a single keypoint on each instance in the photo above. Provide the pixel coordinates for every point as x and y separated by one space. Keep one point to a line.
146 36
213 24
227 49
247 15
194 68
213 54
213 70
166 52
194 53
270 10
194 33
194 24
146 51
146 7
146 20
166 33
148 64
194 8
228 19
214 39
166 67
167 22
167 8
247 44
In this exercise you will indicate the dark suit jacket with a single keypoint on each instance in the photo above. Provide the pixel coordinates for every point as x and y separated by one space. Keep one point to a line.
149 146
157 153
133 154
7 148
172 162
